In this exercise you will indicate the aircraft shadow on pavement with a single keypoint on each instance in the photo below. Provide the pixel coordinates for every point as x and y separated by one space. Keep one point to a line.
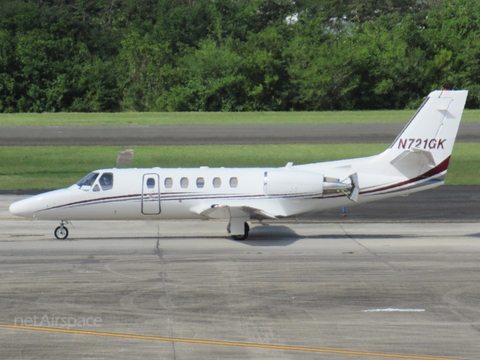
281 235
266 235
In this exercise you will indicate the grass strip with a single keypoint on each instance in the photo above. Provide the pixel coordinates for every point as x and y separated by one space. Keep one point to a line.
216 118
48 167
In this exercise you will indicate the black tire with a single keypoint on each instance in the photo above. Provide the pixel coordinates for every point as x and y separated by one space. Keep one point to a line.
244 236
61 232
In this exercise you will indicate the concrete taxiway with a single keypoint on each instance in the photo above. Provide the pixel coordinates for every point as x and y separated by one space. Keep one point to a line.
183 290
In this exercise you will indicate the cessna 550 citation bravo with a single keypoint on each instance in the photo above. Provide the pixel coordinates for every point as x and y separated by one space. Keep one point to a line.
417 160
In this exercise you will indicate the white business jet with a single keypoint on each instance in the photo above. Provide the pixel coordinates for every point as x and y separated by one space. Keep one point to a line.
417 160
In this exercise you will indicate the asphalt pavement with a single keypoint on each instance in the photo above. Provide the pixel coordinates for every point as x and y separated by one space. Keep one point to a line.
209 134
184 290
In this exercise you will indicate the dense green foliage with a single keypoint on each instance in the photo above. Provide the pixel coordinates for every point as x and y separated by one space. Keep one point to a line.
234 55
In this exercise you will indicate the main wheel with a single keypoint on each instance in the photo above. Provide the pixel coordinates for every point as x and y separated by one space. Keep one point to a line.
245 234
61 232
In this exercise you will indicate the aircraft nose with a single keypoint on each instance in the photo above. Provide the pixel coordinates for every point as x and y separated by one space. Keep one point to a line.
21 208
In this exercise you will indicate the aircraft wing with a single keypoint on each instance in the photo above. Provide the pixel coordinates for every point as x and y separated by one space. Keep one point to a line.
226 211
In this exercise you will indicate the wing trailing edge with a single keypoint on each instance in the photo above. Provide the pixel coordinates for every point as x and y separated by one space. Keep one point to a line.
226 211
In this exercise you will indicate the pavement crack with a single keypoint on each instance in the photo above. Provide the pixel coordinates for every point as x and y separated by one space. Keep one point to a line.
159 253
368 250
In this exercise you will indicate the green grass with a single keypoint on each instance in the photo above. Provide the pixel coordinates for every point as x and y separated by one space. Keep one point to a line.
49 167
216 118
464 166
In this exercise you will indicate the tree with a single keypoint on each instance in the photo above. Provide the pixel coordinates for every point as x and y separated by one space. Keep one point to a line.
209 80
147 70
453 31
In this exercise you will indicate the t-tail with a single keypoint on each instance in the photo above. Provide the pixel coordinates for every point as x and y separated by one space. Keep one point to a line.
421 152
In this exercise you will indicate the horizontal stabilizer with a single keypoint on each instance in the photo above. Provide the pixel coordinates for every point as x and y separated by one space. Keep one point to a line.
414 157
414 161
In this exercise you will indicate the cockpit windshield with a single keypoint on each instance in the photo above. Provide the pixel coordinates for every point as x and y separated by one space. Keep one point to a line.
105 182
88 180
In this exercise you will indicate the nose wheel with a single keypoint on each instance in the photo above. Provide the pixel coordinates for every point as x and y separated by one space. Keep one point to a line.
61 232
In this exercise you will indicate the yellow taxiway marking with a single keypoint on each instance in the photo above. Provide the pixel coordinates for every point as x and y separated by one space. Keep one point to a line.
223 343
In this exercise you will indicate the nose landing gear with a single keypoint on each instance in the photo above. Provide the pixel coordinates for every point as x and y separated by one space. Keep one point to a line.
61 232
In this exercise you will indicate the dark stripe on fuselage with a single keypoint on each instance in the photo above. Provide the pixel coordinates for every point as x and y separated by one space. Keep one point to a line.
437 170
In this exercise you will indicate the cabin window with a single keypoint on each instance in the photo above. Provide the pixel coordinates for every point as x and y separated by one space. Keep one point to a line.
106 181
150 183
200 182
217 182
233 182
168 182
184 182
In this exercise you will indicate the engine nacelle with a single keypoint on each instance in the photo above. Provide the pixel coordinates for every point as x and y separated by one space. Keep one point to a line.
292 182
303 183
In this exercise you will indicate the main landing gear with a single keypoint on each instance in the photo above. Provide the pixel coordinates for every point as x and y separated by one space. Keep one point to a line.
61 232
246 228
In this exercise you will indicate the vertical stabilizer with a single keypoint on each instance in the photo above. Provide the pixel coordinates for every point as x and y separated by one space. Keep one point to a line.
418 158
430 135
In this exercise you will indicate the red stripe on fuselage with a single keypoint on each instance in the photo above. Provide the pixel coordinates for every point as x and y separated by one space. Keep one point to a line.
443 166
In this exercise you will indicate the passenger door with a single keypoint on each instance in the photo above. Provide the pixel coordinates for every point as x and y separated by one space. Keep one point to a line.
151 194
